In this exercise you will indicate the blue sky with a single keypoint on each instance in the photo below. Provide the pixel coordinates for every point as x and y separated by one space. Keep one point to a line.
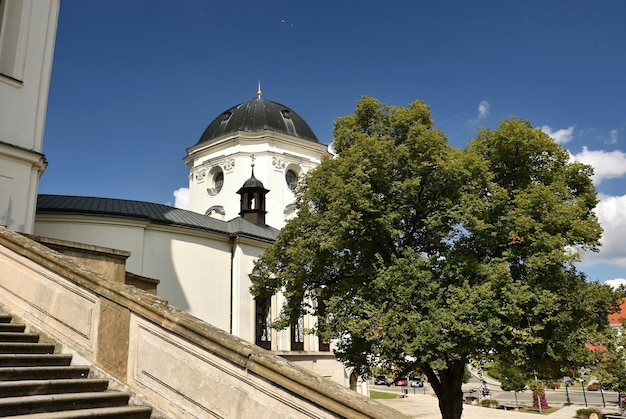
134 83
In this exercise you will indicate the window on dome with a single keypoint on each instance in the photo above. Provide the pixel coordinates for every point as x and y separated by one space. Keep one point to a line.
291 177
216 181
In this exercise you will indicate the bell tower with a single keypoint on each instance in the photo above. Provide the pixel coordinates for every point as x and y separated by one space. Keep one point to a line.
252 203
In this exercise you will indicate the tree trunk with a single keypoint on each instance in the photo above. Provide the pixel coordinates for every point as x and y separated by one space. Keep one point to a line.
447 386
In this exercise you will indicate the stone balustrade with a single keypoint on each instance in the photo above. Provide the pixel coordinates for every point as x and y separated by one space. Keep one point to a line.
178 364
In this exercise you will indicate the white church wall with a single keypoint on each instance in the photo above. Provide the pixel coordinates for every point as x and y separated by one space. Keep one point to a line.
119 234
27 34
194 273
243 314
19 175
273 153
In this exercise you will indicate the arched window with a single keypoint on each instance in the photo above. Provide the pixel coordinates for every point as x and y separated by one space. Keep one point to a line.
297 335
263 332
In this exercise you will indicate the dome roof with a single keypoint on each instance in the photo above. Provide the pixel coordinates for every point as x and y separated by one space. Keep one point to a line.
258 114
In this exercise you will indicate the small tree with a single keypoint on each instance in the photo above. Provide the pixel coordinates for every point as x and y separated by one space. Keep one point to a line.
512 378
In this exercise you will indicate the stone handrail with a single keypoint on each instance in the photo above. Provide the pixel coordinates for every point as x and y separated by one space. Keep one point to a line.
176 362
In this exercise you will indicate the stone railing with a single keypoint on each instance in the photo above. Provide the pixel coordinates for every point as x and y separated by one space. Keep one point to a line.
175 362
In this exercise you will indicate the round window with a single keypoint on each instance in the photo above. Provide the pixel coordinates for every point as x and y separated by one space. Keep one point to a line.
216 182
291 178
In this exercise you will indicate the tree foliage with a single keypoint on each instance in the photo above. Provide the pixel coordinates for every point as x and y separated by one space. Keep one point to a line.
610 361
424 255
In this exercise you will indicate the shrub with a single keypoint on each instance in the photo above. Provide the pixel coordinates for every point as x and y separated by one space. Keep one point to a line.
586 412
489 403
593 387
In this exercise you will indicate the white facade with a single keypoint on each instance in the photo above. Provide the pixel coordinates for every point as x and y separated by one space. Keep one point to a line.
207 275
194 268
27 35
230 158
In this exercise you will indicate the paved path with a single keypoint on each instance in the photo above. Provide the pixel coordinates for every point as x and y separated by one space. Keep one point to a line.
424 406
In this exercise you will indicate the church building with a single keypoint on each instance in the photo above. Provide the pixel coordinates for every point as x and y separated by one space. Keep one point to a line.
243 171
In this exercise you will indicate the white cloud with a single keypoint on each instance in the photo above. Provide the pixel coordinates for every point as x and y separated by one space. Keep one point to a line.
483 112
606 164
560 136
611 212
613 136
181 197
616 283
483 109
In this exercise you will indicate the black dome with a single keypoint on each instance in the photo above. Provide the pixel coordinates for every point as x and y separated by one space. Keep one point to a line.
256 115
252 183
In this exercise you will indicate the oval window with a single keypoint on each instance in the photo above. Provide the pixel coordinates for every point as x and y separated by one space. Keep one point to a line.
291 178
218 181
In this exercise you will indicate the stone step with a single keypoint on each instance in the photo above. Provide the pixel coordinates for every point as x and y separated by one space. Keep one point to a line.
19 337
43 373
39 387
25 348
36 383
32 360
27 405
125 412
11 327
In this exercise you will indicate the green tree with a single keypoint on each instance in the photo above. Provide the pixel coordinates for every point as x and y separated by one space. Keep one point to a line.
424 255
610 361
512 378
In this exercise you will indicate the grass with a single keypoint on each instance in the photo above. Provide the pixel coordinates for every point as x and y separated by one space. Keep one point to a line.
382 395
543 411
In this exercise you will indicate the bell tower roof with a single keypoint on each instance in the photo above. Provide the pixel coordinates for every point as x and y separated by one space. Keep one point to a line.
252 204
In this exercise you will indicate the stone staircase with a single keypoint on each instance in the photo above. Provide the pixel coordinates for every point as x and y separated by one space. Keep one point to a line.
36 383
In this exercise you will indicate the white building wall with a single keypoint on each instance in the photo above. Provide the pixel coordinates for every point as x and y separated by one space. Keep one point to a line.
243 313
274 154
194 273
118 234
27 34
194 268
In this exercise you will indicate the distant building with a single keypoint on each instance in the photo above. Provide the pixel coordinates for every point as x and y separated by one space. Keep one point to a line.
618 318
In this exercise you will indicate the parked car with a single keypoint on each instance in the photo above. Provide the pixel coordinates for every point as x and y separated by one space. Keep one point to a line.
400 382
381 380
417 382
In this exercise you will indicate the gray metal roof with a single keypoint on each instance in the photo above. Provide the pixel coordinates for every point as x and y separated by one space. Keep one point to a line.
155 213
256 115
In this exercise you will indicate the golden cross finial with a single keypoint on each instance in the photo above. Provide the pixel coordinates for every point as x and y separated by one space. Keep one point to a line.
259 93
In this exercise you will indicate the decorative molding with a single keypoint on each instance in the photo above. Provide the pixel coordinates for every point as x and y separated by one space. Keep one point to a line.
229 164
278 163
200 175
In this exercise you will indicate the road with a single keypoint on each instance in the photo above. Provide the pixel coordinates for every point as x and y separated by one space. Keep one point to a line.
554 397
